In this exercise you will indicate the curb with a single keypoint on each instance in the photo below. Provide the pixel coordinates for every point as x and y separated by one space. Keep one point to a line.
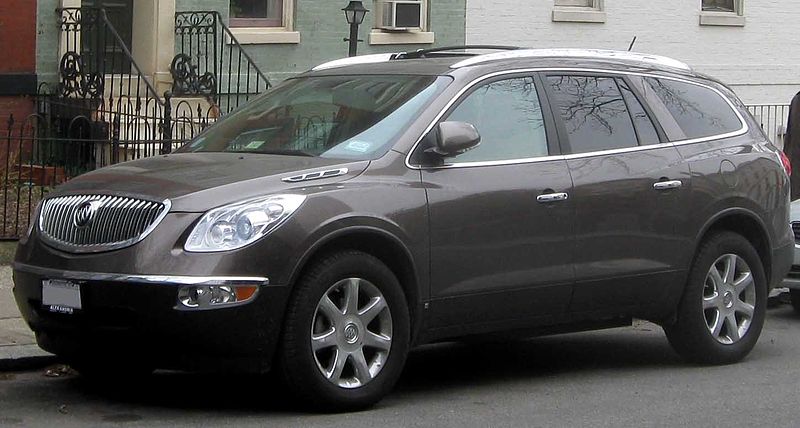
24 357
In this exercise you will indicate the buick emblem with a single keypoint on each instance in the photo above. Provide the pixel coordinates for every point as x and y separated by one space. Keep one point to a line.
85 213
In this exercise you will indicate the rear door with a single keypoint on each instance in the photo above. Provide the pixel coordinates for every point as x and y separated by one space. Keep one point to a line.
500 214
629 193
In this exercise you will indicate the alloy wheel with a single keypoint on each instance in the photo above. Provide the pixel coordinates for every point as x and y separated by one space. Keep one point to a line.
729 299
351 333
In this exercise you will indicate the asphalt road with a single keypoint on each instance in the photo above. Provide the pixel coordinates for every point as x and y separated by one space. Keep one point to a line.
621 377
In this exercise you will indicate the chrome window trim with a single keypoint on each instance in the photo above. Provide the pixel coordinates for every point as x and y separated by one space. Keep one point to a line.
144 279
743 130
65 246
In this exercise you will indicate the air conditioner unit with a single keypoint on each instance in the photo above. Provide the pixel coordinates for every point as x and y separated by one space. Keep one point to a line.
402 15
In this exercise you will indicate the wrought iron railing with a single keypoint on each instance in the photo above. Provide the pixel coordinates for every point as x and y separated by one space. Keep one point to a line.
211 63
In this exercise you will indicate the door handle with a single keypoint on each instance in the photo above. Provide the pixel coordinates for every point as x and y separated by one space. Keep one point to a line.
666 185
552 197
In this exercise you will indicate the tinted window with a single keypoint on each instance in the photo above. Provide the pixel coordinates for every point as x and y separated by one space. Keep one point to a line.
349 117
594 113
508 116
644 126
699 111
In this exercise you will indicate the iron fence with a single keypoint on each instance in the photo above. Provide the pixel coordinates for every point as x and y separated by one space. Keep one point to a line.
773 119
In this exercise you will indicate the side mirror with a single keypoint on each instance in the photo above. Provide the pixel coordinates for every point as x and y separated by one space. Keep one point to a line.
454 138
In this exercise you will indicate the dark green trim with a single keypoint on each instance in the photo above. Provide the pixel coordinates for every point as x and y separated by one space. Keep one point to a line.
17 84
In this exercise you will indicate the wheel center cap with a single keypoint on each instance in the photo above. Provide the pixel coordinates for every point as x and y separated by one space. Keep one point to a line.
727 299
351 333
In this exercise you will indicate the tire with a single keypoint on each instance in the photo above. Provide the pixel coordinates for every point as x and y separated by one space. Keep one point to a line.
704 331
794 296
313 376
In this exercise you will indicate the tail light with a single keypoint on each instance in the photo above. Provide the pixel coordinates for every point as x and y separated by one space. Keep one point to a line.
787 165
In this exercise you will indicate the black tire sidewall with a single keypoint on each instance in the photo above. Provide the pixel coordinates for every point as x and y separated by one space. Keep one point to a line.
690 335
296 360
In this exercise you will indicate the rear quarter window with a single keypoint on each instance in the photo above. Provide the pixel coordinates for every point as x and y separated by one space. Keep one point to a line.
698 111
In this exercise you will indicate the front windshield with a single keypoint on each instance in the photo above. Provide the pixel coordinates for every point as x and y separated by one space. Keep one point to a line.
350 117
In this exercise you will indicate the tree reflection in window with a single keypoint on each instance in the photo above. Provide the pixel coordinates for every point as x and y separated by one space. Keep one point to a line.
508 116
594 113
699 111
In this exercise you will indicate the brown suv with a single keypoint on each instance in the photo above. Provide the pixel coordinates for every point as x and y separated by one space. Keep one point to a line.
378 203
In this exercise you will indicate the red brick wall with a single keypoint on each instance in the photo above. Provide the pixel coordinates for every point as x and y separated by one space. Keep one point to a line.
18 36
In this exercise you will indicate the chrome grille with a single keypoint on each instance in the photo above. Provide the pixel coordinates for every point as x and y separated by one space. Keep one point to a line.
90 223
796 230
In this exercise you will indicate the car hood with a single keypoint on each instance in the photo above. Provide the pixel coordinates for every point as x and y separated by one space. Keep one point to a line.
196 182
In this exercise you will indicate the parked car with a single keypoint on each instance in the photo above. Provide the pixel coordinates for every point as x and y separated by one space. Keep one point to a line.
792 280
378 203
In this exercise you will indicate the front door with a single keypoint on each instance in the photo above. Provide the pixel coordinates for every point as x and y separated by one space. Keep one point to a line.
630 194
500 215
103 47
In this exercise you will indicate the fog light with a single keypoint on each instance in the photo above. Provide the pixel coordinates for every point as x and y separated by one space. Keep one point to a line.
211 296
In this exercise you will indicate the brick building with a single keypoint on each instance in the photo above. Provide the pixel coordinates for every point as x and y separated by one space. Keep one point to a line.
18 65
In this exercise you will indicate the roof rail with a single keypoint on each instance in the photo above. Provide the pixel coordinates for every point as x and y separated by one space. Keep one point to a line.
576 53
361 59
423 53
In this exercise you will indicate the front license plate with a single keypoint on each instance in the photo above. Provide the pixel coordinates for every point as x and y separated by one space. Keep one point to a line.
61 296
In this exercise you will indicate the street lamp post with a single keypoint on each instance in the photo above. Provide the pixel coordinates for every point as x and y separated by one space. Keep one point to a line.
354 13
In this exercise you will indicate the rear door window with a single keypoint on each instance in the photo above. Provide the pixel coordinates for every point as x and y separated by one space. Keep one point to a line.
594 113
645 129
699 111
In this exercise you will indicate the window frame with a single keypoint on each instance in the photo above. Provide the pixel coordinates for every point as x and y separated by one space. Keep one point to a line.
252 31
551 134
571 11
258 22
723 18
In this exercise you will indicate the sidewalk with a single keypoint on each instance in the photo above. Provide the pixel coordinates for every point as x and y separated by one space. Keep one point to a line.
18 349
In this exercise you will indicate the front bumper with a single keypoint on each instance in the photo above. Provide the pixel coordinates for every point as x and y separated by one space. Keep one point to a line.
138 316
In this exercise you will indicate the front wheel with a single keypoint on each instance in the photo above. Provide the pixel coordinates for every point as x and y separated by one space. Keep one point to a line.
723 307
346 333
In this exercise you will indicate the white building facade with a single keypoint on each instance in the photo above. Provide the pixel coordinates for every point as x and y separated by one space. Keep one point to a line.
752 45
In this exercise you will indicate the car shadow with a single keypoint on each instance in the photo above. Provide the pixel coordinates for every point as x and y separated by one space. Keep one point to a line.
436 369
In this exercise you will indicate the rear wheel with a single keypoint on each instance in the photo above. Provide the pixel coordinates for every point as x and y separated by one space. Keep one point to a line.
346 333
723 307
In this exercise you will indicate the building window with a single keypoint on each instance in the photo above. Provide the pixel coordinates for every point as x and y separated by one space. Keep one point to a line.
400 22
263 21
257 13
579 11
722 13
719 5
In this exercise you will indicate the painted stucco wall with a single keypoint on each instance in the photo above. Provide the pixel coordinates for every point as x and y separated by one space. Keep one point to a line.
761 60
47 38
322 27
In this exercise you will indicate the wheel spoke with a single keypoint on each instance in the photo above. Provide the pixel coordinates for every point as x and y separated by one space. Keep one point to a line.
339 360
362 369
730 269
351 297
377 341
324 340
746 309
711 302
743 283
732 327
716 277
373 308
329 309
716 328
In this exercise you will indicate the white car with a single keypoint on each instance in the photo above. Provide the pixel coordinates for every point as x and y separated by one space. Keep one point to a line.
792 280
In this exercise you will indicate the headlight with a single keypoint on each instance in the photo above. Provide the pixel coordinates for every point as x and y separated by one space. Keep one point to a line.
236 225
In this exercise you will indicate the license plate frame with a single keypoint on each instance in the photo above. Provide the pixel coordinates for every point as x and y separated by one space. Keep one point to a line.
61 296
